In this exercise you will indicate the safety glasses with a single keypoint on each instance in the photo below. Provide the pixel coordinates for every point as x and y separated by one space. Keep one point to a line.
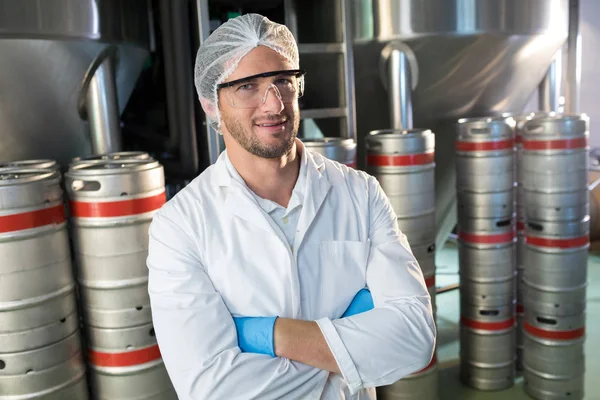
252 91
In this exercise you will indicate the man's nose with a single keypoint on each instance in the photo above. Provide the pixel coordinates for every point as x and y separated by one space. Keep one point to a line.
272 101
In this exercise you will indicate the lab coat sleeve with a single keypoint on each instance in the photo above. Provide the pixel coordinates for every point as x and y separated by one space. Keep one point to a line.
196 333
397 337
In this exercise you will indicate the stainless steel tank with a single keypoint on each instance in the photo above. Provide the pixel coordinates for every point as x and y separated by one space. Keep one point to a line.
465 58
48 49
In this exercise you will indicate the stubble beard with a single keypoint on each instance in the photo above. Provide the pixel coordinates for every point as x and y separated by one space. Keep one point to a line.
252 144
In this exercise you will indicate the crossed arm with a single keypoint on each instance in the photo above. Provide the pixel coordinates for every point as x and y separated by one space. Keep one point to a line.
199 341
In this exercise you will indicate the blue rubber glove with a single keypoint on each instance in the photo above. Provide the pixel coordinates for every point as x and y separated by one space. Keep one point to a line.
363 301
255 334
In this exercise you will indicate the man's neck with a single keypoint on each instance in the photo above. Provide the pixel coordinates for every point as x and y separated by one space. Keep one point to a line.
272 179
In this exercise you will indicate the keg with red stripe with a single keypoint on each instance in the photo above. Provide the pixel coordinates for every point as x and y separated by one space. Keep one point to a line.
485 155
555 176
336 149
126 364
487 261
422 385
112 203
488 342
403 163
556 263
553 360
38 308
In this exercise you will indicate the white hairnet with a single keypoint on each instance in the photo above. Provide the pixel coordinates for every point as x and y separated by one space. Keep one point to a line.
219 55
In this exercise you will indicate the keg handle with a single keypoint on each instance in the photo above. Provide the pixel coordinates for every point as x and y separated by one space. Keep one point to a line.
79 185
505 222
488 313
533 128
543 320
374 146
535 227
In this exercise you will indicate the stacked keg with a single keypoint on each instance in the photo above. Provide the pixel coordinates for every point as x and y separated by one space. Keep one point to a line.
337 149
520 121
554 164
40 342
485 179
403 163
112 201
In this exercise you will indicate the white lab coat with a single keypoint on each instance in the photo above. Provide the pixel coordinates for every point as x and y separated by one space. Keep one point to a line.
214 254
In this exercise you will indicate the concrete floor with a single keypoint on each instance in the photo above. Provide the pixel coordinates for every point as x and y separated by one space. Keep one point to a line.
448 331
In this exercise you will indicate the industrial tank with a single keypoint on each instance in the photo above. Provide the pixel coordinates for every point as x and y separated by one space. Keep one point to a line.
461 58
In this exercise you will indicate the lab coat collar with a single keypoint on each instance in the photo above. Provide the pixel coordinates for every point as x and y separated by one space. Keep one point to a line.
241 203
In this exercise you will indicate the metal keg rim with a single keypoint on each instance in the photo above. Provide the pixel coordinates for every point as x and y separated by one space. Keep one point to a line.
400 132
552 117
486 120
117 156
111 167
30 164
10 176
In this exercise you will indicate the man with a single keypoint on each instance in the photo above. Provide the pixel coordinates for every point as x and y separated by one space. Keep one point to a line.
255 266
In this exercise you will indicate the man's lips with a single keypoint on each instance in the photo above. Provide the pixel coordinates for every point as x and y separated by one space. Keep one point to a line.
267 124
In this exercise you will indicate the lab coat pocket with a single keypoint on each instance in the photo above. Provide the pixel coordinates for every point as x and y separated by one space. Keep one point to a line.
343 265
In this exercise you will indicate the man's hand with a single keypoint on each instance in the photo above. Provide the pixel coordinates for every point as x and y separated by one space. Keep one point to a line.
363 301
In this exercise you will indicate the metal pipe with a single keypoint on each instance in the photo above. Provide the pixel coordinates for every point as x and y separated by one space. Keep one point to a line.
169 66
102 108
179 84
573 75
348 61
550 88
213 143
400 90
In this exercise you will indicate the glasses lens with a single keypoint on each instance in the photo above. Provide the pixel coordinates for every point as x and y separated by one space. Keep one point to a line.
253 93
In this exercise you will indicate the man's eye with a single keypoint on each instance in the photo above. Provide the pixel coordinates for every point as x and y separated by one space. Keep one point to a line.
247 86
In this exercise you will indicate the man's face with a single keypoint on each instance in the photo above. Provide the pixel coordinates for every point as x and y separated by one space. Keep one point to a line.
269 129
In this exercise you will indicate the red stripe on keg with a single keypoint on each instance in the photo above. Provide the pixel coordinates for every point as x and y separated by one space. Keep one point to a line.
381 160
558 243
485 146
486 239
518 139
520 309
32 219
487 326
562 144
120 208
128 359
351 165
559 335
